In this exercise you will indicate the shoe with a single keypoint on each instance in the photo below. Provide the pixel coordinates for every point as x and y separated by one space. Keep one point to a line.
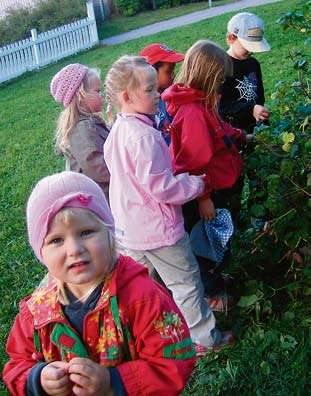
202 351
221 302
227 338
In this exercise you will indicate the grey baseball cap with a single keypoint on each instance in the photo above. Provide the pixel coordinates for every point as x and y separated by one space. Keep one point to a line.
249 29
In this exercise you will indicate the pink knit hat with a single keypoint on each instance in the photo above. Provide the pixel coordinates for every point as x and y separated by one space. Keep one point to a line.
66 82
54 192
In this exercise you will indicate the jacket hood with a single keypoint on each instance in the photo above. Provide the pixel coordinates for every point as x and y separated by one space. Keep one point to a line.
177 95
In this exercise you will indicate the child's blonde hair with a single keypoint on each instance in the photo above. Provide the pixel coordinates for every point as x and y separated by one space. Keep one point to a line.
204 68
66 216
124 75
68 118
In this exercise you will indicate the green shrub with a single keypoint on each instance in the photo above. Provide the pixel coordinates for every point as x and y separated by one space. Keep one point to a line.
47 14
168 3
298 19
128 7
281 162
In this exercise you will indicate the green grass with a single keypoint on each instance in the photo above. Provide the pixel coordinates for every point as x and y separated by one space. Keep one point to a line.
117 25
270 356
264 362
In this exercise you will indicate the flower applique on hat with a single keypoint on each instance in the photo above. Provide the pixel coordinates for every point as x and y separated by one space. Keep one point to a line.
249 29
209 239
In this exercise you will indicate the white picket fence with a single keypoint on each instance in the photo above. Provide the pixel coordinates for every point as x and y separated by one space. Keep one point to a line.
5 4
42 49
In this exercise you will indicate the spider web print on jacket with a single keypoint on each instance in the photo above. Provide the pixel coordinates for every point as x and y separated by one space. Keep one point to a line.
247 89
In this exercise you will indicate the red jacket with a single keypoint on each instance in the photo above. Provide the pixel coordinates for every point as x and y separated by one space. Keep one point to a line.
201 142
152 350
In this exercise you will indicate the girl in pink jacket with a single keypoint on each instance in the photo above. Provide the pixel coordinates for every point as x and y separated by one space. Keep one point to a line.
146 197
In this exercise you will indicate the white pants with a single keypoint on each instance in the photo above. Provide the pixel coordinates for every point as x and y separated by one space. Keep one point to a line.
180 272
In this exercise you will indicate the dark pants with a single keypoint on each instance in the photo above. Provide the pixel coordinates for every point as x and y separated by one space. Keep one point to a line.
228 199
211 274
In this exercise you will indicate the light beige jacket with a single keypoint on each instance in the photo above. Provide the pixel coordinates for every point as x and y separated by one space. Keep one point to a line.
84 151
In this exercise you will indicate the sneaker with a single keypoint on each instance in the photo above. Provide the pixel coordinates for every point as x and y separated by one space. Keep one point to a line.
221 302
227 338
202 351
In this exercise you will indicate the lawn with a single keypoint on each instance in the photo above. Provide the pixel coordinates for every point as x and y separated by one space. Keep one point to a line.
270 356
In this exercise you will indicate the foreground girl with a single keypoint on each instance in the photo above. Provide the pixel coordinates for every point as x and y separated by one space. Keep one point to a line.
97 325
147 211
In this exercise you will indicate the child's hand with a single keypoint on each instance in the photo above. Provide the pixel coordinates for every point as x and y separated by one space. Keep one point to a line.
260 113
207 209
89 378
55 379
109 113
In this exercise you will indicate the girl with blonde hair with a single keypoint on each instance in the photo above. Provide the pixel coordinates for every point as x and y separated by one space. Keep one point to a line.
81 130
148 218
97 324
203 143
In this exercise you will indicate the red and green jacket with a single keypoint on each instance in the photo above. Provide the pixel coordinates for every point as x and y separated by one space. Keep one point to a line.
135 327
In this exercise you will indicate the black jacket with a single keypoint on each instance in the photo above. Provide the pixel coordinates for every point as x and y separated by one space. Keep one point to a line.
240 93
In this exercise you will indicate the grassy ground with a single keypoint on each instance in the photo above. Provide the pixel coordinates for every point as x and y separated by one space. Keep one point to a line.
117 25
270 357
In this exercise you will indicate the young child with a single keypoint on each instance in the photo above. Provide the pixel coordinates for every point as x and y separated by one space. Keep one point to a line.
242 94
163 59
147 214
201 142
97 324
81 131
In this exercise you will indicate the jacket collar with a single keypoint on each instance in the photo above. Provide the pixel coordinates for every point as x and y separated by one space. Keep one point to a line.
45 307
140 117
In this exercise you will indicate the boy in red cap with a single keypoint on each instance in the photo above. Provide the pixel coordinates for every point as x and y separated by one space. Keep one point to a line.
163 59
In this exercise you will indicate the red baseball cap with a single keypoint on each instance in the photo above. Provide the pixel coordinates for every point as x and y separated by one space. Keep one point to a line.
155 53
